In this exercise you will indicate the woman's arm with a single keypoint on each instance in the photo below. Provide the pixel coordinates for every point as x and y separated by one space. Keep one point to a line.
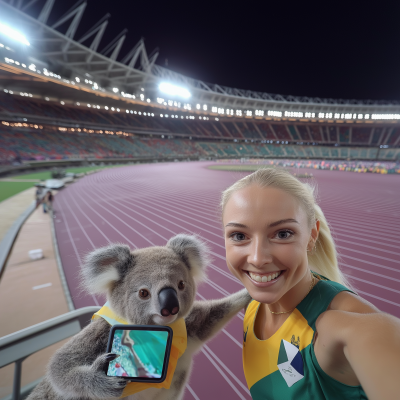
370 344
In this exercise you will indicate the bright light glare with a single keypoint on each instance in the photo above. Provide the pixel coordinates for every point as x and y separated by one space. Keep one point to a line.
6 30
174 90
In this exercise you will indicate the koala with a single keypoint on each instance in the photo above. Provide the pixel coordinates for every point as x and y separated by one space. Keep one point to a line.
149 286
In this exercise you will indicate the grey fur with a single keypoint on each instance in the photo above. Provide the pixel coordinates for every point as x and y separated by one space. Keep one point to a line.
76 369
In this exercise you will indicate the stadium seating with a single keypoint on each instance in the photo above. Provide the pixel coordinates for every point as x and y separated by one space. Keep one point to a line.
40 144
266 130
344 134
315 132
360 135
293 132
282 132
304 135
53 143
54 113
376 136
393 137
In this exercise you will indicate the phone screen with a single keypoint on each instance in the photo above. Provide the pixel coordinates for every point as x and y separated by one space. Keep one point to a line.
143 353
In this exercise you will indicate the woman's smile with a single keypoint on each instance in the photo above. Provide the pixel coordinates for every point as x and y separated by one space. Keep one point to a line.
264 279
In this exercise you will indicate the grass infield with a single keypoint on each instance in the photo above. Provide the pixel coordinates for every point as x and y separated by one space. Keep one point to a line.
8 189
240 167
47 174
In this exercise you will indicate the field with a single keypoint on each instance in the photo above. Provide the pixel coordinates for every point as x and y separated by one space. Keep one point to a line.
13 187
148 204
239 167
9 189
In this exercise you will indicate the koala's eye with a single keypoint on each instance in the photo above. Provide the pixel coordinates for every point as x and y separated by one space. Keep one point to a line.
143 293
181 285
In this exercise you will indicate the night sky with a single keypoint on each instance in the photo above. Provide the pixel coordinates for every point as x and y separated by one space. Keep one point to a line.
339 49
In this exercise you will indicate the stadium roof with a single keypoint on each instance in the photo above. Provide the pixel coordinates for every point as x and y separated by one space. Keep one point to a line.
78 63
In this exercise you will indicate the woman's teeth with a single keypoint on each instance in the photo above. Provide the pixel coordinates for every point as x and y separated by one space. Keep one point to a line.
264 278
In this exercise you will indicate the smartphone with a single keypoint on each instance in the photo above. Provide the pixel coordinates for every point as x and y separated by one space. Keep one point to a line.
143 352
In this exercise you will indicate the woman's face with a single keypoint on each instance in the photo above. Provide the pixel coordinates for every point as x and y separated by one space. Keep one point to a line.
266 240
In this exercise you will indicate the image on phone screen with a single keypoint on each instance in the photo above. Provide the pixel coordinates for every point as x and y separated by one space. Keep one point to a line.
141 353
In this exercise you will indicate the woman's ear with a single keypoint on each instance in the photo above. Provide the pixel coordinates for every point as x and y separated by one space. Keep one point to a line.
314 235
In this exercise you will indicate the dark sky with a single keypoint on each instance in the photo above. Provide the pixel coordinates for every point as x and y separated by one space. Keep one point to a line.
339 49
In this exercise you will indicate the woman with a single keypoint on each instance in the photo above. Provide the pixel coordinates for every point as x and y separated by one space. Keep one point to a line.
307 335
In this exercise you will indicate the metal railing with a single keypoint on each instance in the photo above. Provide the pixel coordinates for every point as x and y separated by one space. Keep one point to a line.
16 347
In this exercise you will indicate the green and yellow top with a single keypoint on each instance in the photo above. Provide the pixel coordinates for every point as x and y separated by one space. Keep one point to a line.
285 366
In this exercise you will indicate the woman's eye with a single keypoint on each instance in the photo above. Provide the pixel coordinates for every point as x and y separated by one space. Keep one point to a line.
238 237
286 234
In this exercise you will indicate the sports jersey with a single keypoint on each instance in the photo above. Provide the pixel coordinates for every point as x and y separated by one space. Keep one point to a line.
285 366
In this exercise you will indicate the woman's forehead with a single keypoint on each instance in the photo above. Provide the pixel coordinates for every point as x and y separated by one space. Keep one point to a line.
261 204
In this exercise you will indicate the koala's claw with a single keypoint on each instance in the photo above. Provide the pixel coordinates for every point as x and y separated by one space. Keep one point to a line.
108 386
101 362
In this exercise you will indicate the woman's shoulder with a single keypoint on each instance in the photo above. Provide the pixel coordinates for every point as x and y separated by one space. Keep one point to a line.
351 302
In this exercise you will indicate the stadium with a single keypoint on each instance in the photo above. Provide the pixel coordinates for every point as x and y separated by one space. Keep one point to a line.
64 103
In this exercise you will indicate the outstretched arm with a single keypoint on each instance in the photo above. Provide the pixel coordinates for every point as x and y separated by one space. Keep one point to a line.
370 344
208 317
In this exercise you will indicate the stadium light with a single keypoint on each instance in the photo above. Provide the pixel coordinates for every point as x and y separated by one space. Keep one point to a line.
115 90
174 90
13 34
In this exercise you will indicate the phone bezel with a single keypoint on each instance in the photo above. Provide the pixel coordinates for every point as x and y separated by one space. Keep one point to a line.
143 328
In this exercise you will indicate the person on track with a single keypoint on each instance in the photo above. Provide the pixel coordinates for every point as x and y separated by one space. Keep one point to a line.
38 195
307 334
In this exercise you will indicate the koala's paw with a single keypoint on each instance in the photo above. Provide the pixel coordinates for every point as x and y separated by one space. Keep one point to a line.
103 386
243 298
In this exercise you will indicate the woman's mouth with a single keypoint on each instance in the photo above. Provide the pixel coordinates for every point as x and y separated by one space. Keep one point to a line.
265 279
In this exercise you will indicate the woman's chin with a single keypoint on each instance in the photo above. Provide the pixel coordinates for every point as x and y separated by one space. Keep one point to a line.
262 295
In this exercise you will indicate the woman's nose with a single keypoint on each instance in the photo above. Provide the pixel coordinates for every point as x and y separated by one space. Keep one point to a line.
259 254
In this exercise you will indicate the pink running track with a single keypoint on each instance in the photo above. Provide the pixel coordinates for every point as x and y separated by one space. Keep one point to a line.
144 205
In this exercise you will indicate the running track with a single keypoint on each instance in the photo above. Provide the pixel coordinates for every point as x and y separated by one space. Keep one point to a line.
144 205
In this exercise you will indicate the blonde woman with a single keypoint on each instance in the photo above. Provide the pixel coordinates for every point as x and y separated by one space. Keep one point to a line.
307 335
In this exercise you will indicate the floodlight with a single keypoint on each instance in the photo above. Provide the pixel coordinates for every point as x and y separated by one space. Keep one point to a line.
115 90
174 90
6 30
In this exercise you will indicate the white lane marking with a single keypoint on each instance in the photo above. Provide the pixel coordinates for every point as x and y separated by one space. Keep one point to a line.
41 286
219 369
192 392
213 285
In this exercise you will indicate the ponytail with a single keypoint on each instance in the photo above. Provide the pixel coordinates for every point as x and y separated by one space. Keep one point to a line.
324 258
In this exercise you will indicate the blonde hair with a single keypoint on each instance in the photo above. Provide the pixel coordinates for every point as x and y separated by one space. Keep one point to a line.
324 257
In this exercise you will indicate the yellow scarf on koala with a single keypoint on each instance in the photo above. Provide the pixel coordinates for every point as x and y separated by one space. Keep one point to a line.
179 344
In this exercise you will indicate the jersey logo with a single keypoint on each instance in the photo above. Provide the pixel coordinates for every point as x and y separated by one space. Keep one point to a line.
290 363
295 342
245 334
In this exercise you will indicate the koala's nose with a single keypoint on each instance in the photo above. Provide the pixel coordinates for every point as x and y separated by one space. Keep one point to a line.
169 303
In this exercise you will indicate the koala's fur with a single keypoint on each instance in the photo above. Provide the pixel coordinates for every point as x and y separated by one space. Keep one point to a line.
76 371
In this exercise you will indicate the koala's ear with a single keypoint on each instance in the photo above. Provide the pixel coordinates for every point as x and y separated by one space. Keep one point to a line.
194 253
104 266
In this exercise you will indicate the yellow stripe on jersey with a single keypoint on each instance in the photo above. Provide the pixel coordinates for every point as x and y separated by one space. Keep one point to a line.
260 357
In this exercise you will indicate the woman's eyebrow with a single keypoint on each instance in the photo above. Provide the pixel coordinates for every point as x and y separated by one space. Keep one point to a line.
236 225
282 221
